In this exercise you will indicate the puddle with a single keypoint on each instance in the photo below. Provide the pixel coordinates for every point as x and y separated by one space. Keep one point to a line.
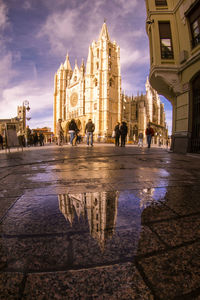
87 229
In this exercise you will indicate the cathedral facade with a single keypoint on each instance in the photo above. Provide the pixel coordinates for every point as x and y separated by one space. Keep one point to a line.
94 92
140 110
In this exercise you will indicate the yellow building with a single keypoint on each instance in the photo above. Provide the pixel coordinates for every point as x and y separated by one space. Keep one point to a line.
93 91
173 28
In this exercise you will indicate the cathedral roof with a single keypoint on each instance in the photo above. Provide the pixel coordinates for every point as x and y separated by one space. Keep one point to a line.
104 32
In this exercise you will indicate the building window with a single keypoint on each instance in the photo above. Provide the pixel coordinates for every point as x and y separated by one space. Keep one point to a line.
96 82
161 2
98 53
194 20
97 65
109 52
109 65
110 82
165 40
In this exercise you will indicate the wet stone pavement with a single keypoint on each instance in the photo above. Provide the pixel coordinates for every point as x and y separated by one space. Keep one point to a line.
99 223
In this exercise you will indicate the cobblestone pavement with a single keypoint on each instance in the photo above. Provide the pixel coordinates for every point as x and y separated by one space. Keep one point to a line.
99 223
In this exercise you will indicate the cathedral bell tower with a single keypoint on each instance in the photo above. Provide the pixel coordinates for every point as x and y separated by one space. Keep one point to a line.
61 81
103 84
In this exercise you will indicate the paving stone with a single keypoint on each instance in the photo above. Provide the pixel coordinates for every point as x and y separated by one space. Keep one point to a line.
175 272
178 231
110 282
154 223
10 285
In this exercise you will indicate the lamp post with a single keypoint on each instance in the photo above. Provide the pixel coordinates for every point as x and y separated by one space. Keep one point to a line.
26 108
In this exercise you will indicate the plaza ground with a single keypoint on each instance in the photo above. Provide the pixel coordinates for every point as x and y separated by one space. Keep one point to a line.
147 245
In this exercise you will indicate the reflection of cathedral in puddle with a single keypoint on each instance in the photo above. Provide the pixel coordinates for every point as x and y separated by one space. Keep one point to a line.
100 208
146 196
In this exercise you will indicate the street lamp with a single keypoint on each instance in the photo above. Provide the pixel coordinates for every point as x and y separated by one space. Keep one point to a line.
26 104
27 108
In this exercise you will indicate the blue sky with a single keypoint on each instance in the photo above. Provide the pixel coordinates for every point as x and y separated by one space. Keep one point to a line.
35 36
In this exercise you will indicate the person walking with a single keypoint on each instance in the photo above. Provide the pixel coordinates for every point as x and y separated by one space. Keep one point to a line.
149 133
140 141
73 129
89 129
1 141
35 138
117 134
59 132
41 139
123 132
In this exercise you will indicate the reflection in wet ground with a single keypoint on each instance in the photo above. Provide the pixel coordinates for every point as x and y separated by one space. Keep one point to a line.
91 228
73 231
127 230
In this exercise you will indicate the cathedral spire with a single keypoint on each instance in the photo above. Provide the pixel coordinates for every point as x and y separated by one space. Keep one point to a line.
82 67
67 65
82 63
104 32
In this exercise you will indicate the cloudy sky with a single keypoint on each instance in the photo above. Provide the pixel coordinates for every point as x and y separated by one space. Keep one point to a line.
35 36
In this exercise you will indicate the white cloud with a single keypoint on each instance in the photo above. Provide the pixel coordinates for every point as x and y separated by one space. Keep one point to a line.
27 5
127 6
6 70
74 29
59 28
129 56
3 15
40 123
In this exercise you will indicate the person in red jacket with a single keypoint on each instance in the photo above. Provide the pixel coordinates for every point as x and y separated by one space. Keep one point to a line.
149 133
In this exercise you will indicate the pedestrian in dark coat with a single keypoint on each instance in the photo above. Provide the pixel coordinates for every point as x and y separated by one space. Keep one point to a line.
1 141
73 129
41 139
123 132
35 138
149 133
89 129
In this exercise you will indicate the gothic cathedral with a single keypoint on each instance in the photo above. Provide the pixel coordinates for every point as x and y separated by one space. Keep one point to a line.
93 91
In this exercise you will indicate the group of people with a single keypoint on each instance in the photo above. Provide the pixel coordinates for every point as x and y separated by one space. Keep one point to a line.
32 138
75 137
120 132
26 139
